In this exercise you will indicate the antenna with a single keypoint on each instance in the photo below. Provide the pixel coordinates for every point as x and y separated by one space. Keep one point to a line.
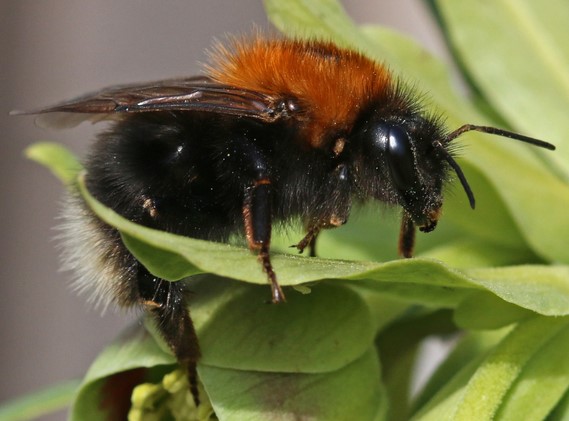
484 129
498 132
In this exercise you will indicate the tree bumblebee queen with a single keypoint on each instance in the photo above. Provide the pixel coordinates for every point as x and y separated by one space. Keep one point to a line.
276 129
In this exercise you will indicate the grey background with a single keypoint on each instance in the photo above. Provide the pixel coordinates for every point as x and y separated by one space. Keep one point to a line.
55 49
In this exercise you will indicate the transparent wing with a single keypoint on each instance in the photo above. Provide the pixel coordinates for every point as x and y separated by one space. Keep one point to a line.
198 94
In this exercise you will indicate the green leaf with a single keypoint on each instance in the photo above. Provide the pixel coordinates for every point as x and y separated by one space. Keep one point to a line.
543 289
444 403
40 403
481 310
524 73
473 252
317 332
117 370
457 368
304 18
415 280
479 389
539 288
542 383
111 380
398 346
523 76
353 391
63 164
561 411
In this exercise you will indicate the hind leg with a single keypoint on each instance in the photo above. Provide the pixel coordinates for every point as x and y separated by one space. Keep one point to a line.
166 302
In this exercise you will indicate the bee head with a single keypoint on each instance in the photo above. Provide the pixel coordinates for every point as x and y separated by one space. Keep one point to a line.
406 161
398 163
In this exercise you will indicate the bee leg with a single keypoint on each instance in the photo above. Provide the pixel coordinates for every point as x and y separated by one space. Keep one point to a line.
166 302
257 220
337 194
309 240
336 219
406 236
312 246
257 204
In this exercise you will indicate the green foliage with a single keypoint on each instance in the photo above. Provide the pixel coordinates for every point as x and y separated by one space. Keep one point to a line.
39 403
344 345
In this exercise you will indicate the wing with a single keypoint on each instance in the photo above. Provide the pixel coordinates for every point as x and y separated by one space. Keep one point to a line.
198 94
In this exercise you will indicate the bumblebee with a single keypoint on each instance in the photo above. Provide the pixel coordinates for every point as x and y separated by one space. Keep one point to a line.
276 129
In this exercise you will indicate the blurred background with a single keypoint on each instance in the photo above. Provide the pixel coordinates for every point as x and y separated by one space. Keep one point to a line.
57 49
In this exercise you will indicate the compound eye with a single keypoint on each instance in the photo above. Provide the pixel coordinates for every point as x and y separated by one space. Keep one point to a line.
400 159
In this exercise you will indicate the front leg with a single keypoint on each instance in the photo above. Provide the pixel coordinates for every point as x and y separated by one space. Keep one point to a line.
314 229
406 237
309 240
333 204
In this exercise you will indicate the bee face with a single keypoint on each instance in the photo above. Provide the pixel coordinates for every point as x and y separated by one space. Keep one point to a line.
399 164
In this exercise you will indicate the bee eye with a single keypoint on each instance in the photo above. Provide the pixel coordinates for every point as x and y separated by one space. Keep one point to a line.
400 158
388 144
